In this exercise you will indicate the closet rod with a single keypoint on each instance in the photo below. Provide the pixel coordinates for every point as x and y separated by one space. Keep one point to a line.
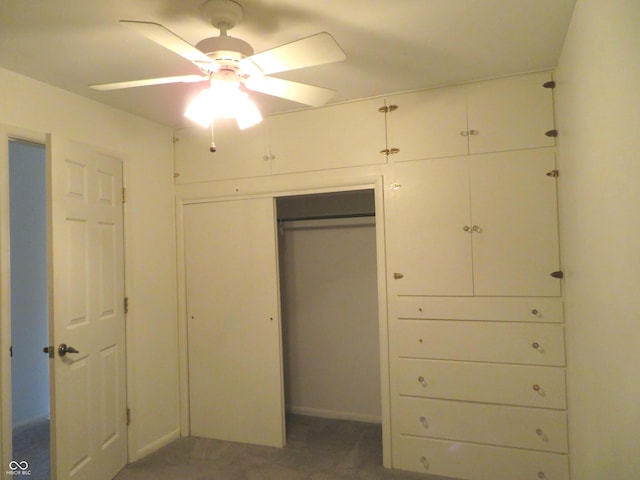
326 217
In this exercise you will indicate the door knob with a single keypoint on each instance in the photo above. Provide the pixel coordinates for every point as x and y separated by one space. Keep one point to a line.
63 349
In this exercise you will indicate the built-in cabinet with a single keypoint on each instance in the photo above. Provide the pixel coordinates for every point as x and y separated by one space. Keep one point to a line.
506 114
477 356
475 225
473 275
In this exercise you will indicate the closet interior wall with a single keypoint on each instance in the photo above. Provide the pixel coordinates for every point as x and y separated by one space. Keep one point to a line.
327 251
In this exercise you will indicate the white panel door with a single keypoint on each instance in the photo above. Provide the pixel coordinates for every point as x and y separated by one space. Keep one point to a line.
235 351
89 401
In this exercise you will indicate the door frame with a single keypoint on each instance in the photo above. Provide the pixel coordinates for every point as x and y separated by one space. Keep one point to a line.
210 194
6 426
8 132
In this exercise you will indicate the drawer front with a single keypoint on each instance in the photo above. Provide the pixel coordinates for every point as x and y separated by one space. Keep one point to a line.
499 309
482 382
478 462
522 343
522 427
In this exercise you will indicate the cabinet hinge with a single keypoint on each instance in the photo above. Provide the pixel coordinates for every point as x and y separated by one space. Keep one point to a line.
126 305
553 173
558 274
551 133
124 195
387 109
549 84
128 416
175 139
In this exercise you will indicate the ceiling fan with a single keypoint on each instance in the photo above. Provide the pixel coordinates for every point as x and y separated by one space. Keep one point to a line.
230 63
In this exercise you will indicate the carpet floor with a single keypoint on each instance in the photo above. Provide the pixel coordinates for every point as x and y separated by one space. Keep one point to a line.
31 445
317 449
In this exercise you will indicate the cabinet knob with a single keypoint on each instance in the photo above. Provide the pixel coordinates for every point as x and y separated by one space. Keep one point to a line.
476 229
466 228
464 133
535 345
424 422
474 132
536 387
398 276
422 381
539 432
424 462
534 312
541 475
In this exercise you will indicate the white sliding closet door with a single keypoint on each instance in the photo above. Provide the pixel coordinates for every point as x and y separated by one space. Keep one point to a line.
235 353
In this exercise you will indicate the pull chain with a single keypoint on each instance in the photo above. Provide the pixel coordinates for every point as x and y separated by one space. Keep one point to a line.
212 147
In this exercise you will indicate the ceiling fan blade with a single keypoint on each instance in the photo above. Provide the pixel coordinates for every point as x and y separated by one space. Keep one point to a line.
317 49
150 81
167 39
297 92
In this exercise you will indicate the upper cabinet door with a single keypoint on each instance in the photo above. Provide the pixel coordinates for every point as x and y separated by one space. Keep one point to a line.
239 154
515 224
428 124
428 228
510 113
336 136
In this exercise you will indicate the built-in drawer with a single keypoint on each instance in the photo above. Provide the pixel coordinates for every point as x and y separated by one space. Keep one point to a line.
477 462
498 309
509 426
503 342
525 385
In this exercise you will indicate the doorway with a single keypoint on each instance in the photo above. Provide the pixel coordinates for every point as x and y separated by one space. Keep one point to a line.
29 308
329 305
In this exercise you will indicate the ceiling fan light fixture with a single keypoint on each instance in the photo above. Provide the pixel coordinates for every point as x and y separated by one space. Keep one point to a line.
224 99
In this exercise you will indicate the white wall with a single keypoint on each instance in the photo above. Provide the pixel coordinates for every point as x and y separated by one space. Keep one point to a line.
598 100
149 239
29 306
330 318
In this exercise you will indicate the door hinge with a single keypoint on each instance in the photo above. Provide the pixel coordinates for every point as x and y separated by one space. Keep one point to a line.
549 84
128 416
553 173
126 305
388 109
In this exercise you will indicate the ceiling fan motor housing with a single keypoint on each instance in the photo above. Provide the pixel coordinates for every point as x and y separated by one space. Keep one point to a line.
225 48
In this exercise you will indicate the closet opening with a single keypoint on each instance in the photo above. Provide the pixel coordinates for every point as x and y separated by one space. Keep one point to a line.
30 399
329 308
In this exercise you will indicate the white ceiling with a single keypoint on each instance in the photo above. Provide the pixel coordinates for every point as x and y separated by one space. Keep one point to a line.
391 45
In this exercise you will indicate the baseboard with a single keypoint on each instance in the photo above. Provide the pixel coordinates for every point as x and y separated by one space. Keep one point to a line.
157 445
334 414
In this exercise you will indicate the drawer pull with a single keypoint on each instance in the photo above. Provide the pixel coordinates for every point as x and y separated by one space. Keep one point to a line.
422 381
424 422
535 345
425 463
542 435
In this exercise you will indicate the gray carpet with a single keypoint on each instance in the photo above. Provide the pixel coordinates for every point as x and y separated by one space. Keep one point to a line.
317 449
31 444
